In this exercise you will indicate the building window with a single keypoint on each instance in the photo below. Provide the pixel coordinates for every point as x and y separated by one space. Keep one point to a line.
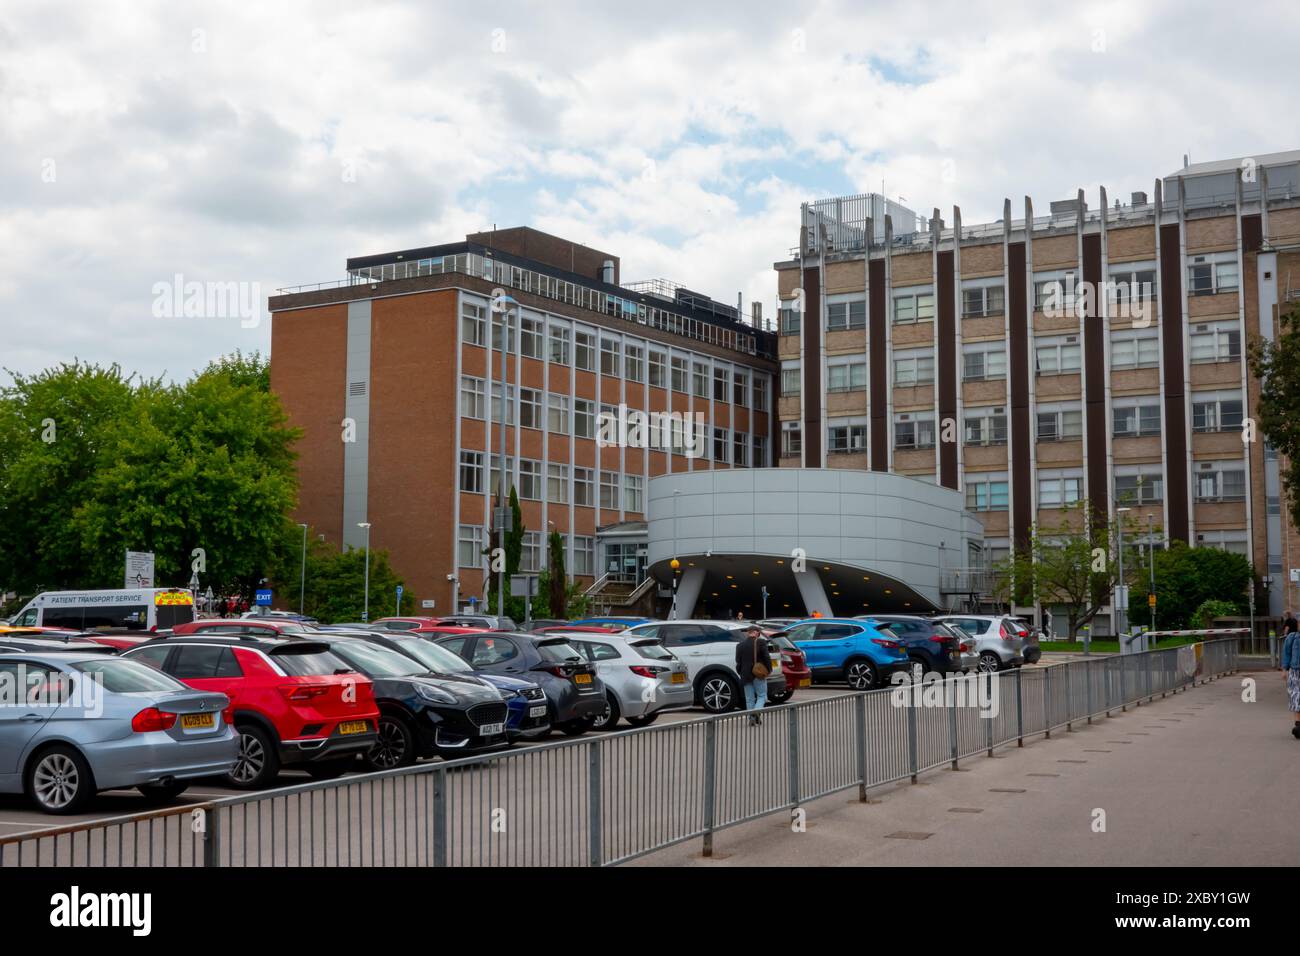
981 301
760 451
582 487
473 397
494 475
473 323
740 449
790 320
1055 290
609 490
740 388
1209 275
633 362
791 382
983 363
1220 481
471 472
530 480
530 337
557 483
846 377
557 413
791 439
986 494
846 439
496 403
1135 486
986 426
1132 282
720 439
469 546
1215 342
558 335
584 418
1216 411
584 350
846 315
913 306
609 357
913 431
1058 491
760 392
699 380
1138 420
1058 357
584 555
1234 541
679 374
530 555
1134 350
530 408
1060 425
634 493
658 369
914 370
721 385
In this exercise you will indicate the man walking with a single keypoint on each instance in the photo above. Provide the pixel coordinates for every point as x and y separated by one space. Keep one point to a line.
753 664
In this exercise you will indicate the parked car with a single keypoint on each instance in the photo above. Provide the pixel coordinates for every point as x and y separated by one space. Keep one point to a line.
776 624
1033 652
24 641
400 623
860 653
138 728
242 627
999 639
614 623
266 614
545 623
642 678
574 693
932 647
422 714
527 717
708 649
116 638
293 702
489 622
794 667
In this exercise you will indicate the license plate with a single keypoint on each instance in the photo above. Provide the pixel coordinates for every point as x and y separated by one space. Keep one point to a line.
679 678
198 721
582 678
806 682
538 711
491 730
353 727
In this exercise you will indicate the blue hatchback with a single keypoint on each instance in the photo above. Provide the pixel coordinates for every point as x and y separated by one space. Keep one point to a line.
863 653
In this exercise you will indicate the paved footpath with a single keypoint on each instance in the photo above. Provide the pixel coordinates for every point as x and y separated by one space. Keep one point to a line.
1199 778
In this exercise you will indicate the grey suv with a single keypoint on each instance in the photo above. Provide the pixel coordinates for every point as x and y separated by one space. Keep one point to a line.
999 639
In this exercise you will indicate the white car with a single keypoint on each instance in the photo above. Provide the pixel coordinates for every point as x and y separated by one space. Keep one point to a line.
642 678
999 639
708 649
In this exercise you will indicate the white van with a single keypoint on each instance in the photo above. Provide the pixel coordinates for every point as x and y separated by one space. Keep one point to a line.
134 609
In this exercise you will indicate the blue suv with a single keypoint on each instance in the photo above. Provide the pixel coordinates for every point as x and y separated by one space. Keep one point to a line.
863 653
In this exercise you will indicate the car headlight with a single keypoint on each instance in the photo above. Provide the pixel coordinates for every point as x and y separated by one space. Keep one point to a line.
435 693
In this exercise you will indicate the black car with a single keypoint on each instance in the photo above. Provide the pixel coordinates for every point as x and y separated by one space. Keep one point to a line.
575 694
933 648
421 713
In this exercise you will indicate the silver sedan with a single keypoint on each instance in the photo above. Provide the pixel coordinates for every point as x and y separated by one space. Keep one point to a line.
73 724
642 677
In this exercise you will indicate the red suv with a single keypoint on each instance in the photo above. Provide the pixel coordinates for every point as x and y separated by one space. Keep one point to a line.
292 700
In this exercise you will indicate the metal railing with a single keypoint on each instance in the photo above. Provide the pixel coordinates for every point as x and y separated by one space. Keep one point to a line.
603 800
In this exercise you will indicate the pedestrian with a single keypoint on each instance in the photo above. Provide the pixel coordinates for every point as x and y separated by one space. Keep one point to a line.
1291 669
223 609
753 664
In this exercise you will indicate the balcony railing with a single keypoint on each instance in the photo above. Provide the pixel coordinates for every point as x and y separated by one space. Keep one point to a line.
967 581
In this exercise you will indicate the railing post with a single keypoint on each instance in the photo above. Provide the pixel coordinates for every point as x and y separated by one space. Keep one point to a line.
710 781
1087 677
911 736
1047 702
440 818
988 720
860 719
211 834
951 705
794 755
1020 712
595 855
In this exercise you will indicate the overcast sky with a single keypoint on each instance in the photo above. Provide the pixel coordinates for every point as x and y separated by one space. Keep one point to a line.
264 143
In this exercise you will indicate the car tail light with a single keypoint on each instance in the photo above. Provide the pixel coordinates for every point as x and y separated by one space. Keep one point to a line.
559 670
150 719
304 692
893 645
228 716
641 670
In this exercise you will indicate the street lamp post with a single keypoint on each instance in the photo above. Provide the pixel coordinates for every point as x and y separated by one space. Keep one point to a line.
1120 594
674 563
302 581
1151 554
365 613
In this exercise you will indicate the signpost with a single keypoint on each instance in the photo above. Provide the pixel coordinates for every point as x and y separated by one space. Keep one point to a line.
399 601
524 586
139 569
263 597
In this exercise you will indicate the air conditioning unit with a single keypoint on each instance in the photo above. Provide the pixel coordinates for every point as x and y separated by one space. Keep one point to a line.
1070 340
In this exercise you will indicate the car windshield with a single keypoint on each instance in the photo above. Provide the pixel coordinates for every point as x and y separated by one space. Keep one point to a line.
433 657
128 677
557 651
311 663
376 661
653 650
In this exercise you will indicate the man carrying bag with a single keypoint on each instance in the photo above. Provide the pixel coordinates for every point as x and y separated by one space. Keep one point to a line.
754 664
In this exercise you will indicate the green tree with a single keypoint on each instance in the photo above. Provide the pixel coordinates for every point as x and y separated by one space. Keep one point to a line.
1277 365
335 589
1188 577
555 590
1203 617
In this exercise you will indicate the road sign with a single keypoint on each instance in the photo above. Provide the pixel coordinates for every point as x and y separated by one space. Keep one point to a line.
428 603
1121 597
263 597
399 591
1295 575
1151 600
139 569
523 585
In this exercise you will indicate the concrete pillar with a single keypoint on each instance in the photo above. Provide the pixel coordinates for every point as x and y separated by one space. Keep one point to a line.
688 592
812 592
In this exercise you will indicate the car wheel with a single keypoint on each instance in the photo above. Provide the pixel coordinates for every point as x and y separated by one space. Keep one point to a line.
394 745
576 728
162 792
643 721
861 675
329 769
719 693
609 719
258 763
781 698
989 663
59 780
